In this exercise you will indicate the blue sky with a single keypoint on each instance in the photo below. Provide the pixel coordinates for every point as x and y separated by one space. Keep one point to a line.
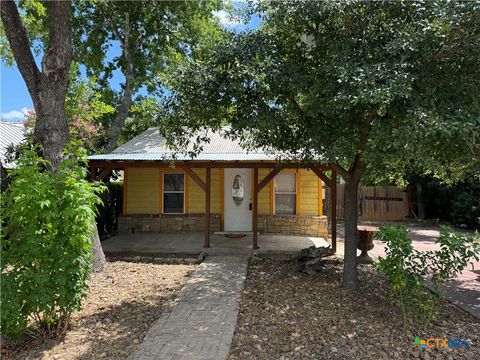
14 94
15 99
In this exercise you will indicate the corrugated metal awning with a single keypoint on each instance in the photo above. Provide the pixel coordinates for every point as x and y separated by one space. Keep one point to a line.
150 145
10 134
180 157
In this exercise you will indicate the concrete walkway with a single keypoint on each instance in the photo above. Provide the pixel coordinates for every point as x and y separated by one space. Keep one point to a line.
463 291
202 322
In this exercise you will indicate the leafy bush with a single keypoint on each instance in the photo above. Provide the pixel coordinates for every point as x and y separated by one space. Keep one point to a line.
465 203
407 269
458 203
46 254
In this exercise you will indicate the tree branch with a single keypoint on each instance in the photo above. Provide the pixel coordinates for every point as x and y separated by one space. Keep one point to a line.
124 107
116 33
357 167
20 45
339 169
354 170
127 34
141 39
298 109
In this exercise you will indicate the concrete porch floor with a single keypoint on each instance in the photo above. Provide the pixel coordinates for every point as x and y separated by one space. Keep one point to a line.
191 243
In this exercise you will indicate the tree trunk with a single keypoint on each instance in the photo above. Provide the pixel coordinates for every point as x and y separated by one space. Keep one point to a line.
97 250
350 276
420 203
352 180
120 117
51 127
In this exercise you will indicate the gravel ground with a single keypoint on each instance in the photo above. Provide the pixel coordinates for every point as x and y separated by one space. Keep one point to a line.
285 314
122 302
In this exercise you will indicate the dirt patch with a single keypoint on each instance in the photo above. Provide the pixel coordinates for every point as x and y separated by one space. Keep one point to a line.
285 314
122 303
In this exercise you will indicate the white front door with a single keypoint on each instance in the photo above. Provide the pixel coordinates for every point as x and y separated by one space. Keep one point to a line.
238 199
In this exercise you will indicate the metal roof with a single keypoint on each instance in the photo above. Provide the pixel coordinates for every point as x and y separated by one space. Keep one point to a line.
150 145
10 134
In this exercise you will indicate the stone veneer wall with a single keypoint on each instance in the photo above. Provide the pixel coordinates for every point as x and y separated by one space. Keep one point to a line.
166 223
294 225
277 224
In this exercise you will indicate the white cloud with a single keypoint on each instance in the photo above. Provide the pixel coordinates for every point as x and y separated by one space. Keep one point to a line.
15 115
226 19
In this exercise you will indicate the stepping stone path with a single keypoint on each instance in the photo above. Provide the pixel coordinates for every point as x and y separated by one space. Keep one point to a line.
201 323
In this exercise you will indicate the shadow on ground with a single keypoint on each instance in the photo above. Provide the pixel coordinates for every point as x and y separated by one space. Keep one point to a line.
110 332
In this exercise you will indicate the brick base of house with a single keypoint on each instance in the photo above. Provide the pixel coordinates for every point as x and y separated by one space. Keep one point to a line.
294 225
274 224
166 223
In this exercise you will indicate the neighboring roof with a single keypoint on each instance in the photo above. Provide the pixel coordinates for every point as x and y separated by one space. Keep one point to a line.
150 145
10 133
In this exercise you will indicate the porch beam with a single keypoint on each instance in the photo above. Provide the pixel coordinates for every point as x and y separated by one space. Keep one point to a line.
268 178
93 171
103 174
255 209
235 165
121 164
250 164
195 177
207 208
321 175
333 210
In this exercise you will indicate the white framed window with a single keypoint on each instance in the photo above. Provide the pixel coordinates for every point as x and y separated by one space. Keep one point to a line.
286 194
173 193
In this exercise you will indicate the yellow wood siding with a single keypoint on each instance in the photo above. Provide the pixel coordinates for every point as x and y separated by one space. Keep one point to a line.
125 191
308 193
196 196
143 191
320 197
264 194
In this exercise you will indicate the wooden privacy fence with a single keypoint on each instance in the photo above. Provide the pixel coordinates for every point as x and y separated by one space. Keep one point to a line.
375 202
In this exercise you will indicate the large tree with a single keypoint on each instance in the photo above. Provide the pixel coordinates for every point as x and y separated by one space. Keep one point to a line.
377 86
141 40
47 86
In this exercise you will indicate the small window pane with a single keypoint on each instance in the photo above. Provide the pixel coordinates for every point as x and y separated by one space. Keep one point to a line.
285 204
173 182
173 203
285 183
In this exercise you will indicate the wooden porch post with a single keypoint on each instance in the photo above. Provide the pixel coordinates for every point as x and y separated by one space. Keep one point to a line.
333 210
93 172
255 207
207 207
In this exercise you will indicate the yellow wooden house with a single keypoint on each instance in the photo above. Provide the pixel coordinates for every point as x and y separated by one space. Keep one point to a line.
224 188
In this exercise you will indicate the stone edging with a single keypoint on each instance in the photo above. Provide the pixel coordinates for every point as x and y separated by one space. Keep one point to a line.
160 259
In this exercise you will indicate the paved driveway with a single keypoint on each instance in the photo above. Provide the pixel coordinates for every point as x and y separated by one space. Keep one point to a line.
463 291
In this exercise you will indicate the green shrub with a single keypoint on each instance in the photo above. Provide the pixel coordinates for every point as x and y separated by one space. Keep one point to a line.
456 251
458 203
46 254
407 269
